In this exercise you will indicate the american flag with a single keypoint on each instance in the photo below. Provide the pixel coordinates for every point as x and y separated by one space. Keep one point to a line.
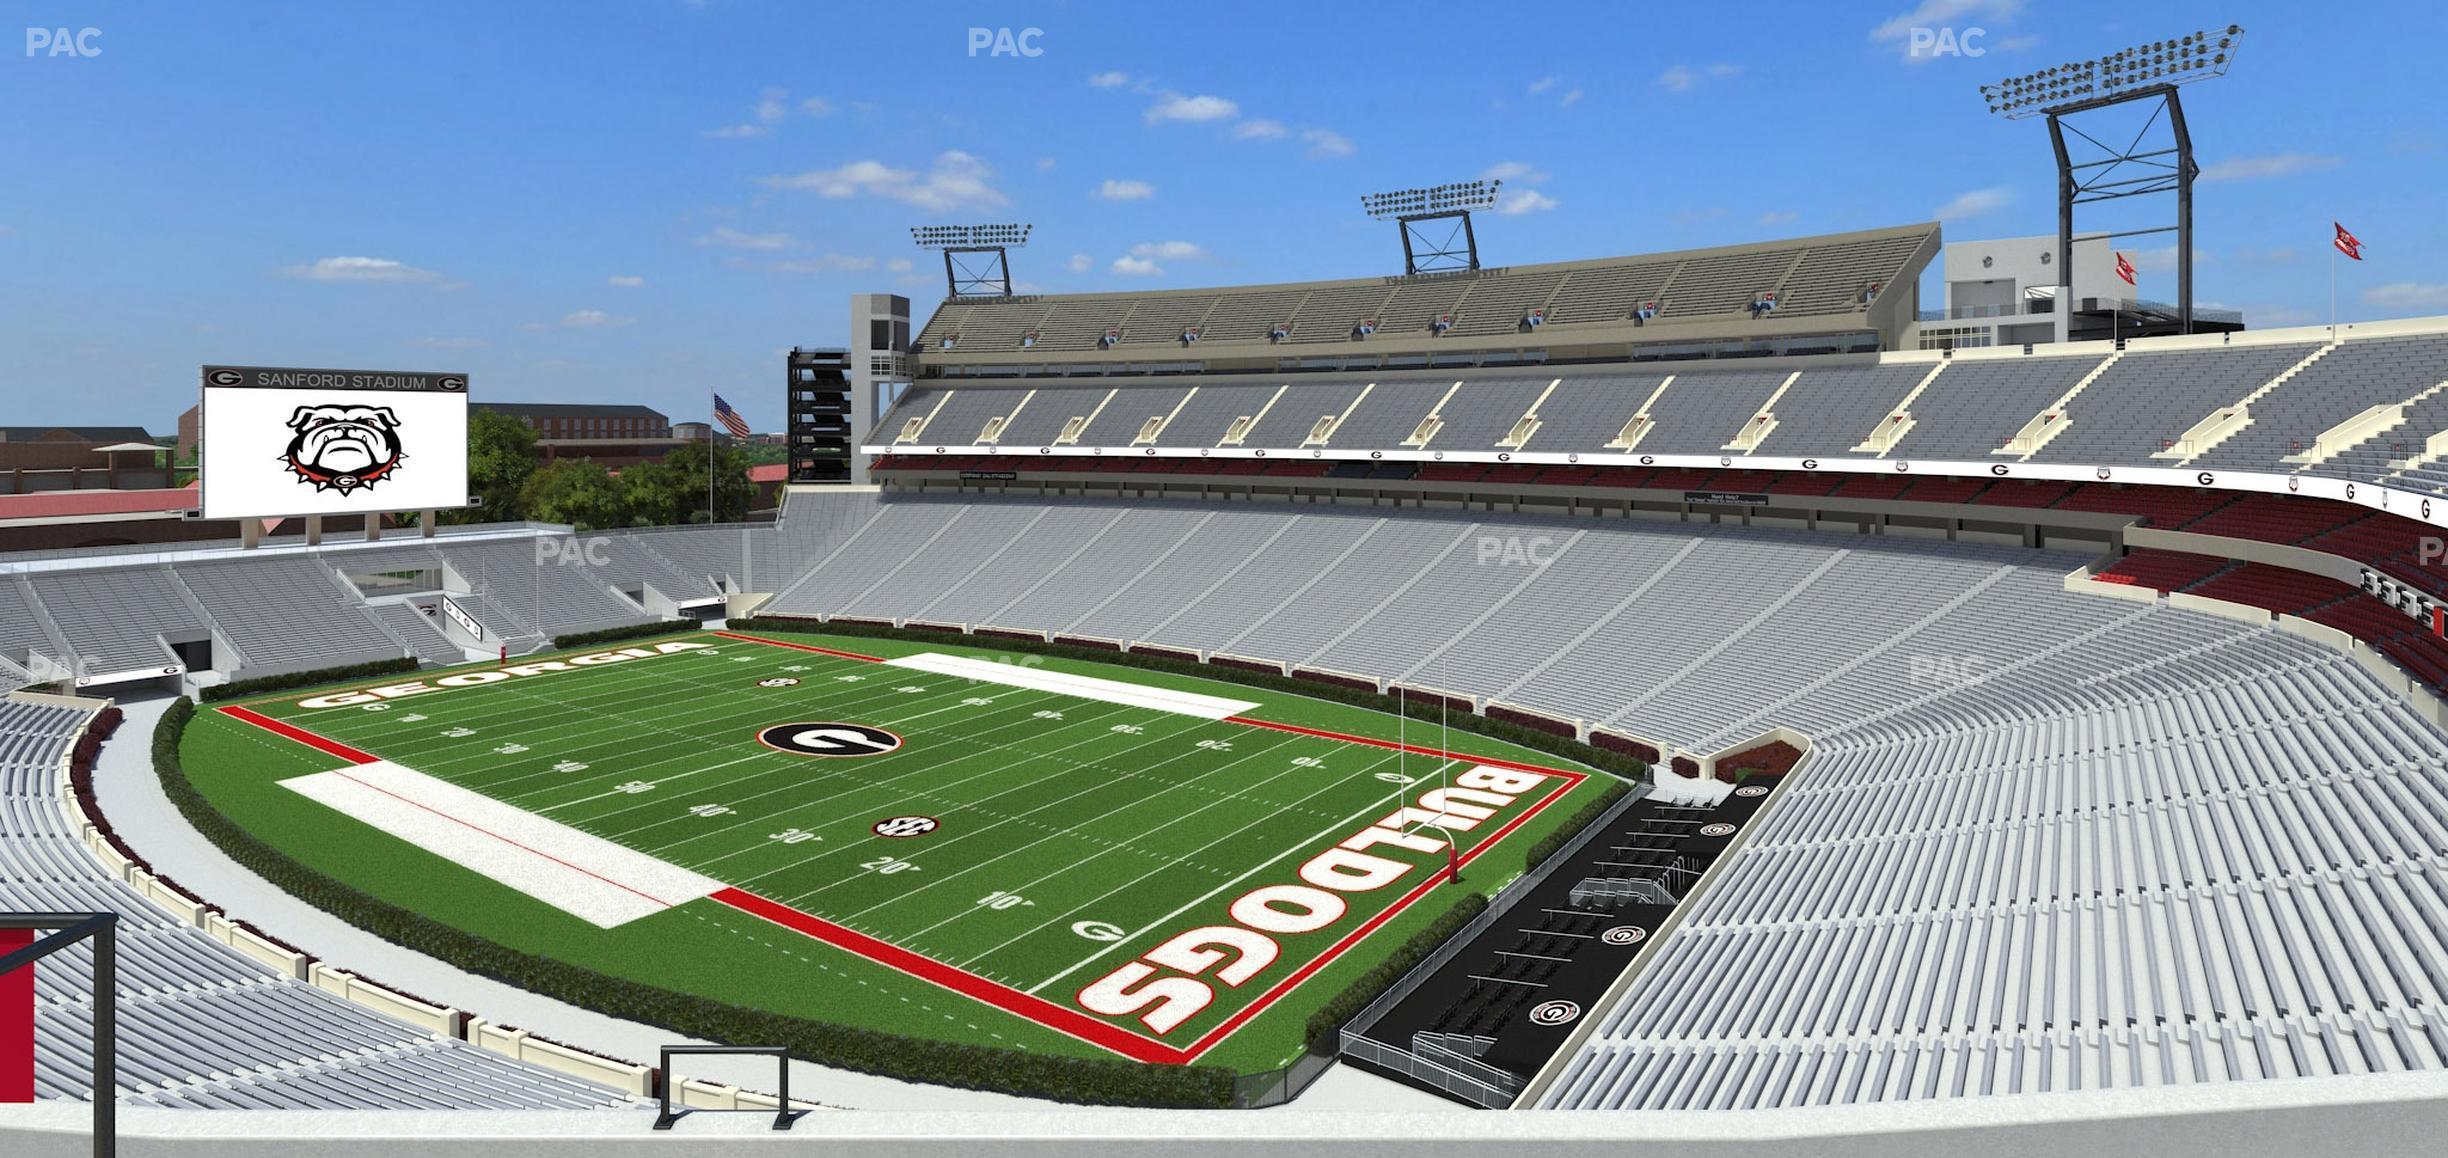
730 418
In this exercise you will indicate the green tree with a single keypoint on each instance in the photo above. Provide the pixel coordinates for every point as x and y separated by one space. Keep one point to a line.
577 491
687 479
502 460
658 496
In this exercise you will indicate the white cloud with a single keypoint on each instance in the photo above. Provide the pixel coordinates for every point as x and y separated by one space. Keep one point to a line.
1974 204
772 105
449 343
1137 267
365 269
1080 263
738 132
2408 295
1114 79
1173 106
591 320
816 107
955 180
725 237
1113 190
1570 99
1779 217
1522 201
1326 143
1518 171
2158 260
1045 164
900 265
2271 165
1168 250
828 263
1542 84
1683 78
1259 129
625 280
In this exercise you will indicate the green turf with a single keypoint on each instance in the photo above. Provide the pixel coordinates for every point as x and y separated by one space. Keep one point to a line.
1054 811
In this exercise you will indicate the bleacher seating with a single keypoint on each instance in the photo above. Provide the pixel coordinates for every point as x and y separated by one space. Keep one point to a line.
287 611
200 1025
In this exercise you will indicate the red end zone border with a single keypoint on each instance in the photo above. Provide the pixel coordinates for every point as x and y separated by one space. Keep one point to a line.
1027 1006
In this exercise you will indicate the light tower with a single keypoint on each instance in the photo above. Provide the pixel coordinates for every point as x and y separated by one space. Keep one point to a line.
2144 164
977 261
1427 246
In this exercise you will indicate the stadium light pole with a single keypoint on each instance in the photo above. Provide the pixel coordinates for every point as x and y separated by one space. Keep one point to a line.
2144 73
977 258
1415 210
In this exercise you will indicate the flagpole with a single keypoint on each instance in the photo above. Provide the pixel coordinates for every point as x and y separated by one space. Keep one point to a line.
2333 252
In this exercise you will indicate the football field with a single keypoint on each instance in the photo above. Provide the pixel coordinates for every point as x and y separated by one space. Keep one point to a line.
1138 863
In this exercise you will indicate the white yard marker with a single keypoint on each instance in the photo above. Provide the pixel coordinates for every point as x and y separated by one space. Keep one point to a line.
578 873
1083 687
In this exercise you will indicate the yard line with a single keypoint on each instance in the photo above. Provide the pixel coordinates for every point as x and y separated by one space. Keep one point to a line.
948 878
894 780
1066 770
1144 930
1321 790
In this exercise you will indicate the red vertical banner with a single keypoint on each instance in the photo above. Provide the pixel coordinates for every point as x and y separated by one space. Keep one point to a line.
16 1022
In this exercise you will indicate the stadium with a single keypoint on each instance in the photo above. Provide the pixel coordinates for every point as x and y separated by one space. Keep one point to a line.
1705 697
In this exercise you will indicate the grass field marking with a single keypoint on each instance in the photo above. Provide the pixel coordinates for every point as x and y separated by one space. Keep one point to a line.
573 871
625 690
1317 964
1083 687
792 764
1325 834
1068 1022
893 782
1067 769
1110 846
1075 910
799 646
321 744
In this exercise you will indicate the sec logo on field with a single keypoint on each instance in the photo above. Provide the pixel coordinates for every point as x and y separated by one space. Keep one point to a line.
901 826
829 739
778 682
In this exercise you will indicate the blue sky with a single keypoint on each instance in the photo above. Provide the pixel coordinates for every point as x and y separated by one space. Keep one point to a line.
646 200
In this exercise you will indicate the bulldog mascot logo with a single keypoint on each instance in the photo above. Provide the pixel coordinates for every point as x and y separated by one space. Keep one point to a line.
343 448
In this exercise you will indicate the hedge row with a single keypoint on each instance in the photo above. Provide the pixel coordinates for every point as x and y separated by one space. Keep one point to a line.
1230 671
305 679
1102 1081
615 634
1329 1018
1555 841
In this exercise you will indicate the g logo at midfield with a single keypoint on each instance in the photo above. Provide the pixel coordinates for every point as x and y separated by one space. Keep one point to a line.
828 739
